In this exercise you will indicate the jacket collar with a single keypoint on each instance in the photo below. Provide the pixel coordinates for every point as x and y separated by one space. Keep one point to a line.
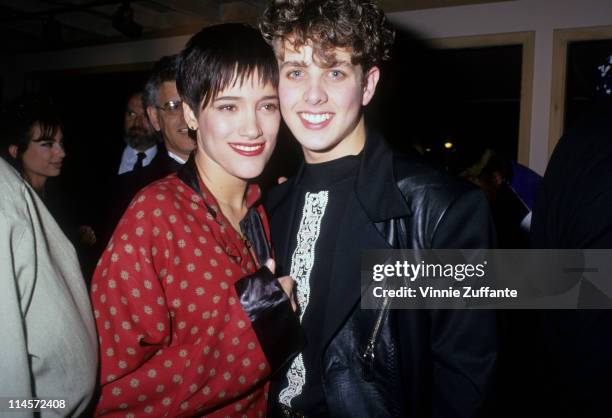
375 187
251 225
188 174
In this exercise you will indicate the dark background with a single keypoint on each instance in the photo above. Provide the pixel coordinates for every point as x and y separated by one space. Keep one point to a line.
583 58
470 97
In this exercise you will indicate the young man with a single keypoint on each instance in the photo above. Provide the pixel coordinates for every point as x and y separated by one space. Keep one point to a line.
354 193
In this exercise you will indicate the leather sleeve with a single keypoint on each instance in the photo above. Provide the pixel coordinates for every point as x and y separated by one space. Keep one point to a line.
253 228
466 223
463 342
276 325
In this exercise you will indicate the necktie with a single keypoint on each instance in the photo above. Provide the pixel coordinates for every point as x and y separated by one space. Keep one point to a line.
139 162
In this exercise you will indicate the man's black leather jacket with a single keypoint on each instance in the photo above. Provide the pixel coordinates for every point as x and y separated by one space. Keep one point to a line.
427 363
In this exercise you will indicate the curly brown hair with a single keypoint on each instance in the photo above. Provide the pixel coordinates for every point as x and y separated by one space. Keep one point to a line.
357 25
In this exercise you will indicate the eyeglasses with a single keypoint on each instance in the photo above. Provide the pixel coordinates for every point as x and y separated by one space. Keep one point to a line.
172 107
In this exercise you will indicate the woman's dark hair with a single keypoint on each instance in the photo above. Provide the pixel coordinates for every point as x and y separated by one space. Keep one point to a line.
358 25
219 56
17 120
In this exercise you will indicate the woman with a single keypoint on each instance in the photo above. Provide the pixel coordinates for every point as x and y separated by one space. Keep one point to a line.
191 322
34 142
34 145
48 346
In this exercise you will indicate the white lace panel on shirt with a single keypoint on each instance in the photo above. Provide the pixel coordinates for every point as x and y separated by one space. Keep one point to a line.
301 266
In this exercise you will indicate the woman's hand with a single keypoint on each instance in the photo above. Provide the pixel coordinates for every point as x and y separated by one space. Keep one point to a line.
286 283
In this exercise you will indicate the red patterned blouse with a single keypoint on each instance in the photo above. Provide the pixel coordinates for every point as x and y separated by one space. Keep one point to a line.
174 338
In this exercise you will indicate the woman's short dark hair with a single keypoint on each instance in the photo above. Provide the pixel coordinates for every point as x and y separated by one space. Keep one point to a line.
219 56
358 25
17 120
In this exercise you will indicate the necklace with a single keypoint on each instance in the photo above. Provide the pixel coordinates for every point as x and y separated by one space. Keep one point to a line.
245 240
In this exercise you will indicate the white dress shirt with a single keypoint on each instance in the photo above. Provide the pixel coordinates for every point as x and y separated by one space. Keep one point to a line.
176 158
130 156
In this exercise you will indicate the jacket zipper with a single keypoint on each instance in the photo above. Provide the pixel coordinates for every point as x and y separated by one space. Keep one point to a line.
368 355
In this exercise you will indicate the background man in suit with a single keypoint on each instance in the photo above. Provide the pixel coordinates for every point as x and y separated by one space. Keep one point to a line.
141 144
164 110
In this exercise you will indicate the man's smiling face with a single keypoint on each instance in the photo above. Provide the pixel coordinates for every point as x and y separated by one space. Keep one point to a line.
322 102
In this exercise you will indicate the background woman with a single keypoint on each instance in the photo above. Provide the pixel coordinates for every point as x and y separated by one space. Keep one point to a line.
33 142
48 344
191 322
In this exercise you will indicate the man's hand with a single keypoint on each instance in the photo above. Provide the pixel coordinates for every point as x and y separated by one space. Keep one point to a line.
286 283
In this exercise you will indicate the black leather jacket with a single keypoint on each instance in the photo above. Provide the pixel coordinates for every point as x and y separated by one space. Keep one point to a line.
426 363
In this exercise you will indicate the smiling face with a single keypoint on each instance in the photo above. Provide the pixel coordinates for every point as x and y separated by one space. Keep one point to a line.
236 131
322 104
43 157
167 118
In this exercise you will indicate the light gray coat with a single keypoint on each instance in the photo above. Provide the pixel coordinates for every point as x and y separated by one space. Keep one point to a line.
48 343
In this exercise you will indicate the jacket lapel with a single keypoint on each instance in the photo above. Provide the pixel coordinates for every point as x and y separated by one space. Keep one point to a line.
357 233
283 211
376 199
376 186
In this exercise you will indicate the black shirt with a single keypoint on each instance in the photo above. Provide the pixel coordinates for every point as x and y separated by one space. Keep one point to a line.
329 186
